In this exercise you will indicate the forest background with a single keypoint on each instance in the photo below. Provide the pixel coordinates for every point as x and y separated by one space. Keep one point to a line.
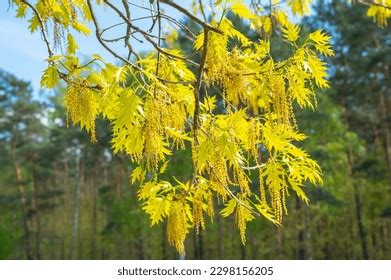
78 202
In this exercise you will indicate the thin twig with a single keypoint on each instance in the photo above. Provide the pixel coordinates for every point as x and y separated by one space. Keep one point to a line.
202 10
128 29
50 52
98 36
197 87
147 35
253 167
184 11
373 3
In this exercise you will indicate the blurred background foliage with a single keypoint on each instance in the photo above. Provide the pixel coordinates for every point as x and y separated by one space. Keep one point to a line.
63 197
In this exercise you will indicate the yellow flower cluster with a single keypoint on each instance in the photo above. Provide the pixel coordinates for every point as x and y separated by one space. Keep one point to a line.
82 106
198 217
152 110
380 13
216 58
280 100
177 226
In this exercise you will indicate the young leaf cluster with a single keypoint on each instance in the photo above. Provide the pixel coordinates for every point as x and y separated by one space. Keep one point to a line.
234 109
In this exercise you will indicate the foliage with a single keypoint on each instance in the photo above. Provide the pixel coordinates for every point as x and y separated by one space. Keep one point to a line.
233 108
348 118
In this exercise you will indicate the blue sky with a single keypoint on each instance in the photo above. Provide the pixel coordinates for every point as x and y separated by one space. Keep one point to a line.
23 54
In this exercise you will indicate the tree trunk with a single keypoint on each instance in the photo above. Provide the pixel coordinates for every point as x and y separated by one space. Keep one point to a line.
139 224
300 248
358 209
308 233
195 245
361 229
384 120
242 251
95 191
220 248
66 208
384 101
164 243
356 195
280 246
76 208
385 240
200 246
35 208
22 200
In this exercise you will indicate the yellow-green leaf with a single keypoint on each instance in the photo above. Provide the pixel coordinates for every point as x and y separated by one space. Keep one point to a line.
291 32
229 208
81 28
71 44
50 77
242 10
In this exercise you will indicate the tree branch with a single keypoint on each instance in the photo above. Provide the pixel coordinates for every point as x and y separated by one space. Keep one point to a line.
147 35
184 11
98 36
373 3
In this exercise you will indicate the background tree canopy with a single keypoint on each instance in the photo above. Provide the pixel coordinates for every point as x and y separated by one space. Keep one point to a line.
229 120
